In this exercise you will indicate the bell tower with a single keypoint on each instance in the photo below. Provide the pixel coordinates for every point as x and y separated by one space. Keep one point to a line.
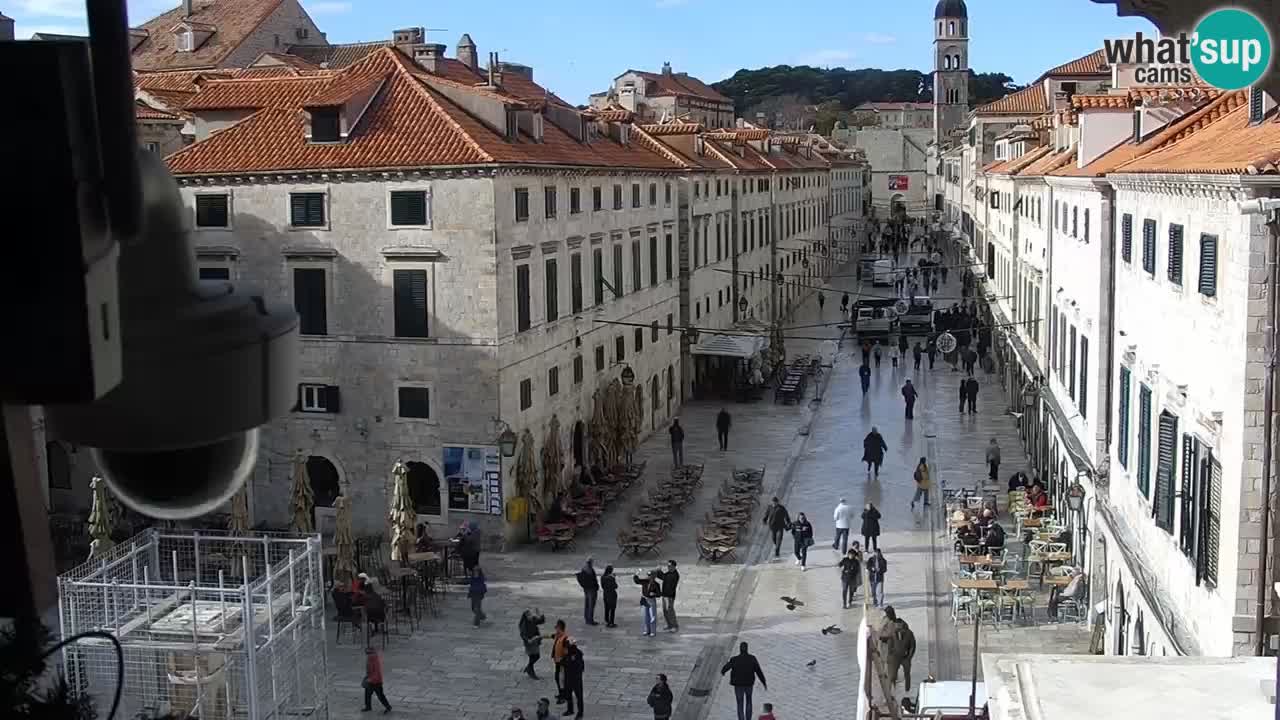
950 67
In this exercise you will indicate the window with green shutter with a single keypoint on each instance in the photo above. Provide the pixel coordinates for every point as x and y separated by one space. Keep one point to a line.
551 289
523 317
212 211
653 260
1166 467
575 282
1175 254
1208 277
636 268
1122 441
1188 505
1149 246
1126 238
310 299
306 209
1084 377
409 208
1210 492
410 290
597 276
1144 439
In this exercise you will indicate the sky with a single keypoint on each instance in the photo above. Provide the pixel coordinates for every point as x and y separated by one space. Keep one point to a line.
577 47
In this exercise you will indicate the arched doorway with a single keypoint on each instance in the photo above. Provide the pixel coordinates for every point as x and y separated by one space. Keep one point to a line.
1139 636
653 403
1122 622
671 387
579 443
424 488
325 483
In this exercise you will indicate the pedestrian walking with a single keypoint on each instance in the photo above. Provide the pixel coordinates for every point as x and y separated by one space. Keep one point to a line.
917 353
902 649
650 591
801 539
993 460
822 301
844 302
873 449
373 680
864 377
944 273
964 395
850 572
970 359
559 648
842 515
670 581
531 638
870 526
909 396
476 590
743 670
660 699
971 386
893 356
877 566
903 345
932 352
574 668
609 584
922 484
866 352
778 521
875 351
723 423
677 443
590 585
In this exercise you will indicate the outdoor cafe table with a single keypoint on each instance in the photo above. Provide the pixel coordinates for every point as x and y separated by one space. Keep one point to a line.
975 560
1016 585
1053 557
966 584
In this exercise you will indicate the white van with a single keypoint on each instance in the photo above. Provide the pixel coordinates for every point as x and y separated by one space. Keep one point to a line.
882 273
949 700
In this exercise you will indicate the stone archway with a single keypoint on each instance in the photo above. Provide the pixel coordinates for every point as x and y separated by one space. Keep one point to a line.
424 488
326 481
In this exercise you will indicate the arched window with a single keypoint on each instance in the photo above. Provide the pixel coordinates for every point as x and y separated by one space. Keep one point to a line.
946 63
951 28
939 27
963 24
955 62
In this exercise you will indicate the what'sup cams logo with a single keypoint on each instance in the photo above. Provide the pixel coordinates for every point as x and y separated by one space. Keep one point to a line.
1230 49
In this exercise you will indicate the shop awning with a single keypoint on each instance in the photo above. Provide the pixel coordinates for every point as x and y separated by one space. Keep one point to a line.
734 346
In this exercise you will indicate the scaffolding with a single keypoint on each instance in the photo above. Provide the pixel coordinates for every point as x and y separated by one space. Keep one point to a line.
214 625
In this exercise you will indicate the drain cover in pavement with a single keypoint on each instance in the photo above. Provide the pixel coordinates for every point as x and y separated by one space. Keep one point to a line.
699 692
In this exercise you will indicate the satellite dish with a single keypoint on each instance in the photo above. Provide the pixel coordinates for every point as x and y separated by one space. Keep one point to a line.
901 306
947 343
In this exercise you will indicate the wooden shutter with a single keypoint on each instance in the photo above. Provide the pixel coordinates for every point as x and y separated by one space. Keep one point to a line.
670 260
332 399
522 298
409 207
1122 442
551 281
1175 254
1166 461
1210 497
1208 283
211 211
1149 246
653 260
1086 224
575 282
410 303
1187 496
309 300
1257 105
1084 377
1126 238
306 209
1144 439
597 262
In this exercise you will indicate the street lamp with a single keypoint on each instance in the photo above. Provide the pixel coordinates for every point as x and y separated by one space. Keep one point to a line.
743 305
1075 496
1030 393
804 263
506 440
628 376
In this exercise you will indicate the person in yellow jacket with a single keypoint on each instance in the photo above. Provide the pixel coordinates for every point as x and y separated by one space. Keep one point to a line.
922 484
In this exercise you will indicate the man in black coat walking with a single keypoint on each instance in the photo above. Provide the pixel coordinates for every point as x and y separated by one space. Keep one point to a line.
670 581
590 585
971 386
743 670
723 423
909 396
778 520
677 443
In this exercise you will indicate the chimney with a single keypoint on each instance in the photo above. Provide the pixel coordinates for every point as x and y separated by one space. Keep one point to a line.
188 7
495 71
428 56
467 52
666 69
6 27
407 36
516 69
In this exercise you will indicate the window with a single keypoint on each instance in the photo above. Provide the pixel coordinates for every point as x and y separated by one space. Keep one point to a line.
599 358
551 288
575 201
210 272
1126 238
316 398
653 260
306 209
639 334
617 197
1075 221
597 199
1166 455
578 372
653 332
409 208
1208 279
549 202
597 276
310 299
1144 439
666 197
1189 497
522 204
653 194
1085 236
409 288
326 125
635 195
667 256
619 349
1175 254
1257 105
1084 377
526 394
212 211
553 381
575 282
1122 439
1062 349
1149 246
1071 365
413 402
635 265
523 319
1053 339
1210 492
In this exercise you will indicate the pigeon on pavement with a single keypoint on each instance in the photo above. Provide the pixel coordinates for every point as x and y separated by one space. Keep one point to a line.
811 663
831 630
791 602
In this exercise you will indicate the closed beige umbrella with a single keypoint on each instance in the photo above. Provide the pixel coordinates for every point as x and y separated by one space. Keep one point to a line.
552 460
99 519
527 474
344 562
301 500
599 428
404 516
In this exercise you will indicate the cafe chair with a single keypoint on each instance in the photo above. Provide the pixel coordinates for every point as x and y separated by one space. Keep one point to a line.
346 614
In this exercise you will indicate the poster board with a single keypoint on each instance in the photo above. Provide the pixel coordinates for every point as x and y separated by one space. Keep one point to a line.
473 478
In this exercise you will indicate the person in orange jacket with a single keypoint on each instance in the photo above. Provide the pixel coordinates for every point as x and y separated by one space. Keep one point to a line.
373 680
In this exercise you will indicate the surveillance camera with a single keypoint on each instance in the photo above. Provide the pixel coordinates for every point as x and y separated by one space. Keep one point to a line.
205 365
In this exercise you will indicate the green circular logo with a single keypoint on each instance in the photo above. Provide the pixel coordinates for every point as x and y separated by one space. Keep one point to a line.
1232 49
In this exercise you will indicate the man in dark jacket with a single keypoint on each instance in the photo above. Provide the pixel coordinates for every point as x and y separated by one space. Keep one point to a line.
574 667
670 580
864 376
660 699
932 352
873 447
743 670
723 422
877 566
909 395
917 353
677 443
590 585
902 648
778 520
971 389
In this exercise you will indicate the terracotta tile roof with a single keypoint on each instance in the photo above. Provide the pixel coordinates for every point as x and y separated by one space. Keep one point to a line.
680 84
233 22
344 88
1127 151
1220 141
1016 165
1049 162
336 57
992 165
143 111
673 128
1102 102
612 115
1044 122
895 106
1027 101
183 80
1155 95
408 125
269 59
1095 63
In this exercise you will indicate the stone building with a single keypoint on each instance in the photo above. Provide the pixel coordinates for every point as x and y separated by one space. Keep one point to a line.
665 97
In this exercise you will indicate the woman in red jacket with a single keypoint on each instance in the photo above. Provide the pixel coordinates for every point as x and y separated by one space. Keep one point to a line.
373 680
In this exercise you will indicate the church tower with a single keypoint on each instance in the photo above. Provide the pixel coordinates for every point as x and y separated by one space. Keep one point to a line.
950 67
